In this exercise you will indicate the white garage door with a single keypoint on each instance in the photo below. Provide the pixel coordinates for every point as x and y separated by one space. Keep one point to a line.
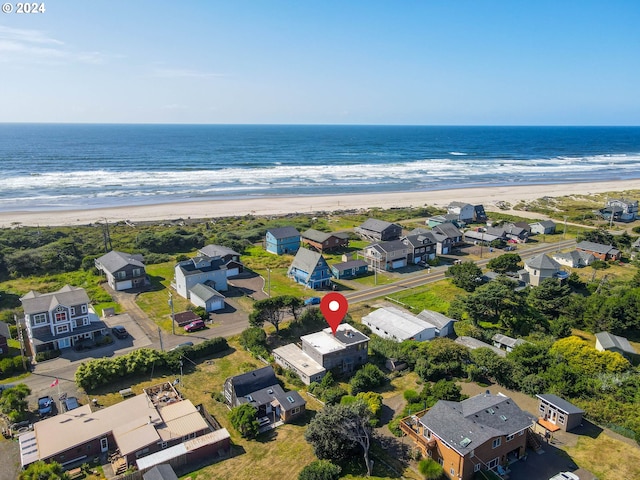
399 263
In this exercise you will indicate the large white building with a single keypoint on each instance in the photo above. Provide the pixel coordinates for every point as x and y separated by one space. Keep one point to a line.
399 325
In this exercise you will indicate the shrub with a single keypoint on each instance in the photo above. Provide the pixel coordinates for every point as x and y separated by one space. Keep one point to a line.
47 355
320 470
430 469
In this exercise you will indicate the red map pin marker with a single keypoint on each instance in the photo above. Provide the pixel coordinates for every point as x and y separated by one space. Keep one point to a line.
334 307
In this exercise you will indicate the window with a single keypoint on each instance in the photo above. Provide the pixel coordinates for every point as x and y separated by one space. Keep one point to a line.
137 272
497 442
39 319
427 433
85 321
477 467
83 309
561 419
60 315
493 463
295 411
452 471
510 437
163 445
62 329
291 399
73 311
541 408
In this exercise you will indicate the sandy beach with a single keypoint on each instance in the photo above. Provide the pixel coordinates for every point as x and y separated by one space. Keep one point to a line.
302 204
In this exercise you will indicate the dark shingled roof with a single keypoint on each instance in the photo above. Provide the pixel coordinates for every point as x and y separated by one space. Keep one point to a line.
349 265
375 225
254 380
34 302
283 232
468 424
597 247
114 260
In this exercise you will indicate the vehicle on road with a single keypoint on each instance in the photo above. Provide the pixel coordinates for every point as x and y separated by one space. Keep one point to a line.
312 301
195 325
182 345
45 405
119 331
70 403
565 476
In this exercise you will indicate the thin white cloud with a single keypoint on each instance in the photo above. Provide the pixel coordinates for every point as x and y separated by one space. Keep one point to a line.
22 45
184 73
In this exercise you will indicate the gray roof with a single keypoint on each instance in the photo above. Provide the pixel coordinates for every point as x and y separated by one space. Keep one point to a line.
218 251
542 262
205 292
114 261
246 383
163 471
4 330
435 318
448 229
34 302
467 425
474 343
375 225
545 223
389 246
508 341
608 341
576 257
560 403
420 239
597 247
482 236
349 265
320 237
201 263
283 232
306 260
287 400
459 204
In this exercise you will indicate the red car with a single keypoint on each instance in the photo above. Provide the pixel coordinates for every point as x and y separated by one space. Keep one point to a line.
195 325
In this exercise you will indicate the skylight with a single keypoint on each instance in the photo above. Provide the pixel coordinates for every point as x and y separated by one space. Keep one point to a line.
465 442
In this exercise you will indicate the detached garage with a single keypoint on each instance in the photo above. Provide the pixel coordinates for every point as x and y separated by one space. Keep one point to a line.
204 296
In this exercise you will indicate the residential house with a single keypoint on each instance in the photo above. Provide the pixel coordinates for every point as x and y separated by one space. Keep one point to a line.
574 258
450 231
479 214
344 351
504 342
5 334
160 472
349 269
60 319
202 295
200 269
324 242
124 271
539 268
606 341
444 325
310 269
543 227
510 233
444 244
378 230
473 343
229 257
153 421
395 324
479 433
446 218
186 317
387 255
622 210
282 240
464 211
601 252
481 237
291 357
261 389
422 247
557 414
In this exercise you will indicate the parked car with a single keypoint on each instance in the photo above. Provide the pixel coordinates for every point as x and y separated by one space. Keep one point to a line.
70 403
119 331
195 325
312 301
45 405
565 476
182 345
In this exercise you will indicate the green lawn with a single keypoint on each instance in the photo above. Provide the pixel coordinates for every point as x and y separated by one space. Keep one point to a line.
435 296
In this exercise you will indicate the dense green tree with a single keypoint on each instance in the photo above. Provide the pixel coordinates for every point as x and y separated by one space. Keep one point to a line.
254 339
550 297
274 310
43 471
243 418
508 262
368 377
466 275
339 430
320 470
13 402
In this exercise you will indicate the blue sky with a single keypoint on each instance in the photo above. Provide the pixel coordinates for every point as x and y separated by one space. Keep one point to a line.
429 62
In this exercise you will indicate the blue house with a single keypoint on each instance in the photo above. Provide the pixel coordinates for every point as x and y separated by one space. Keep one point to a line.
310 269
349 269
282 240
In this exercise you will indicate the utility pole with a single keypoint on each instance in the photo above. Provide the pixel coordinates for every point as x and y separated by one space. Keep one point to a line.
564 234
21 340
160 335
173 319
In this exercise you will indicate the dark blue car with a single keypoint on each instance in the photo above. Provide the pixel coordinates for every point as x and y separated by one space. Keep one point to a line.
312 301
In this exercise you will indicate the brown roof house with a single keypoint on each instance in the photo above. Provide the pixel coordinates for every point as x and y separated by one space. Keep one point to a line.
324 242
601 252
154 421
483 432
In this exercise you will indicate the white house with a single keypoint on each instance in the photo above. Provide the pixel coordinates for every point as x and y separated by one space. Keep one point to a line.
465 211
574 258
443 324
202 295
200 269
396 324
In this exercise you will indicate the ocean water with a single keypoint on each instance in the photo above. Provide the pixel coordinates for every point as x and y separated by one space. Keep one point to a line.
53 167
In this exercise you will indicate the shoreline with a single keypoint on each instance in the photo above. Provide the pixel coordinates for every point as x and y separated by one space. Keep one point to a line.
282 205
